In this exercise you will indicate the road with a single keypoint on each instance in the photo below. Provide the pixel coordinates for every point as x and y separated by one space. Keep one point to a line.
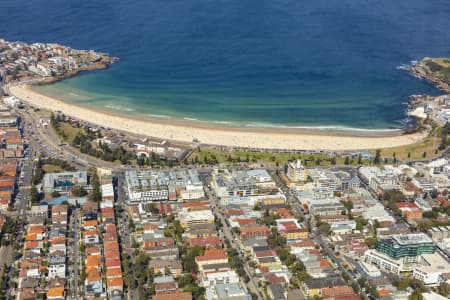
27 165
122 225
49 143
75 255
252 285
298 211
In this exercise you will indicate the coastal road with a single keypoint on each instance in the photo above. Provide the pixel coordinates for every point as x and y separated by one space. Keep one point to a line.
49 142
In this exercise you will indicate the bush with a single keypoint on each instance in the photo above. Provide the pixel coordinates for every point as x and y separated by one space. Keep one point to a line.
78 191
55 194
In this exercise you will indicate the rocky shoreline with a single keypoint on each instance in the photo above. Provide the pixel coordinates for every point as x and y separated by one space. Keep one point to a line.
104 64
424 108
44 63
429 69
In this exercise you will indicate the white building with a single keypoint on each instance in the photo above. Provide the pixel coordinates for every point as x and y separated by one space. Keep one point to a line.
12 101
57 271
188 218
367 270
148 186
377 213
218 277
226 291
242 183
296 172
431 267
384 262
379 178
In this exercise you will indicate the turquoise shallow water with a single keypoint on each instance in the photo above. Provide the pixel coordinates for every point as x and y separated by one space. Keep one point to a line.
250 63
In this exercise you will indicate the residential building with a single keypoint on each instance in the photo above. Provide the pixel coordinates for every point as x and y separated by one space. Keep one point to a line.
148 186
227 291
64 181
296 172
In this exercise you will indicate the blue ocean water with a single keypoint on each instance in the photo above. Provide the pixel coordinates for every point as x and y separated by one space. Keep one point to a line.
249 62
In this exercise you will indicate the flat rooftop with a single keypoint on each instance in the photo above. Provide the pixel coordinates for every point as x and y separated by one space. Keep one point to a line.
412 238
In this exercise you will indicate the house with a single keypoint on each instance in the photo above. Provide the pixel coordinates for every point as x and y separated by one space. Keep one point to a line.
59 210
114 285
209 278
93 281
165 288
226 291
112 263
174 296
410 210
64 181
160 266
208 242
157 242
254 231
164 253
113 273
215 256
57 257
39 210
90 224
270 262
291 230
57 271
188 218
91 237
276 292
337 291
56 293
313 287
93 261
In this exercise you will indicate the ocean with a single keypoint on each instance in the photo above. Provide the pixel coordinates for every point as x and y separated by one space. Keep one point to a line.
291 63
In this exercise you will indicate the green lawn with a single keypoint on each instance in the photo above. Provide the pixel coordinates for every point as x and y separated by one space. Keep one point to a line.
223 156
416 151
67 132
405 153
51 168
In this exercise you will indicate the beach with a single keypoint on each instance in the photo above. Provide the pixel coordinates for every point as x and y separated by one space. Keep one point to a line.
205 133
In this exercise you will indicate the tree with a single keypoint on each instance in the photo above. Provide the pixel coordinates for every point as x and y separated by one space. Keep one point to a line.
348 205
153 209
360 223
394 196
416 295
430 214
324 228
371 242
444 289
34 194
95 183
425 225
377 157
185 280
444 139
359 159
55 194
333 160
188 260
347 160
79 191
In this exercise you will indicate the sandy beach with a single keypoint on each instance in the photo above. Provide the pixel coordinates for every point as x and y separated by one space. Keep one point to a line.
211 134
